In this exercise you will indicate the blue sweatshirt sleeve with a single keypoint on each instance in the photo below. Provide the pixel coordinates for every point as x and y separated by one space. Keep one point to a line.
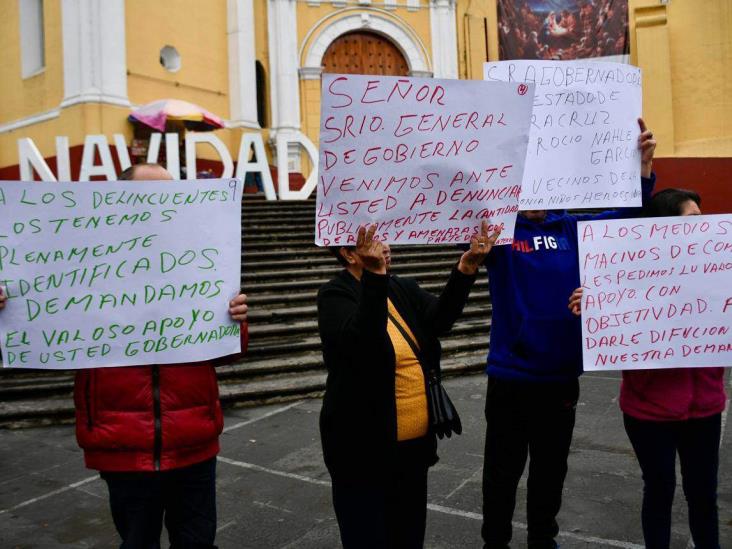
647 186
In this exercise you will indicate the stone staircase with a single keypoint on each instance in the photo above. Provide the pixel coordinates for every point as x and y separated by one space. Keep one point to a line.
281 272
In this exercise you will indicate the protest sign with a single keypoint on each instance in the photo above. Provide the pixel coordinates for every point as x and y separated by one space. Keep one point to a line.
118 273
657 292
426 160
583 148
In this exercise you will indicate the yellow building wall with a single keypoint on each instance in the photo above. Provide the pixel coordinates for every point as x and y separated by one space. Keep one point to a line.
198 30
474 37
700 41
23 97
43 92
684 49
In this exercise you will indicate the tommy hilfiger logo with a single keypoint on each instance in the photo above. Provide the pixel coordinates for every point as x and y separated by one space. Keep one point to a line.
541 243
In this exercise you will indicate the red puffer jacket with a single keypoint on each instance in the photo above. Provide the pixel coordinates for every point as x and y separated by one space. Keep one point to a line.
149 418
672 394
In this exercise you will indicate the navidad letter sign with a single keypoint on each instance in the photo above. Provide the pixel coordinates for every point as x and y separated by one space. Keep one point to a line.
118 273
657 292
425 160
583 148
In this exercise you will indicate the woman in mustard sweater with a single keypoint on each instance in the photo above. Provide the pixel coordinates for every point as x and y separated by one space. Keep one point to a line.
374 423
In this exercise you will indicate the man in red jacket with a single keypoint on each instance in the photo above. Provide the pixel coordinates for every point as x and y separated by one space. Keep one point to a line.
153 433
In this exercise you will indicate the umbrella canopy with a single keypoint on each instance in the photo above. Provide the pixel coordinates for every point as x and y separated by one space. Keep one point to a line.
193 117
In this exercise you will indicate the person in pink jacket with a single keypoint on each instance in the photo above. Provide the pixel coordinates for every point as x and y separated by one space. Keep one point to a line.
670 411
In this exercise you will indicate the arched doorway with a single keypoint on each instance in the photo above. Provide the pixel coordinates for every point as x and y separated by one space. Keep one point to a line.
362 52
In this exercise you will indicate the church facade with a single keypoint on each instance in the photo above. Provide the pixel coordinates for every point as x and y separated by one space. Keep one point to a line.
76 68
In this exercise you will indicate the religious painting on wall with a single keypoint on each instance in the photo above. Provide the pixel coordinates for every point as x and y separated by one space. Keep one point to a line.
563 29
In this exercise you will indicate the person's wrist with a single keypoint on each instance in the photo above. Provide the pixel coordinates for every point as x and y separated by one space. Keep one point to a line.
646 168
467 268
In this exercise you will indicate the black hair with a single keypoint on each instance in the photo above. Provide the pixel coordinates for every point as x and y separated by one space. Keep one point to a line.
336 251
668 202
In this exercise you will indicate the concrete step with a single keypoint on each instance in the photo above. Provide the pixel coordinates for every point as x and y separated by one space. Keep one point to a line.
400 268
440 276
472 320
324 257
300 358
288 312
267 298
284 227
234 392
277 218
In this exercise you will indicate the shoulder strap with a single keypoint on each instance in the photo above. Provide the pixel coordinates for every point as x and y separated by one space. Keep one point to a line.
409 339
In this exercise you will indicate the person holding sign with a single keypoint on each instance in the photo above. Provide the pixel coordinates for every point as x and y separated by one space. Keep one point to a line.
380 341
533 366
670 411
152 432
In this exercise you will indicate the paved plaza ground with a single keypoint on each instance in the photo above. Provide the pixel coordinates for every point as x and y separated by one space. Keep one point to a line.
273 489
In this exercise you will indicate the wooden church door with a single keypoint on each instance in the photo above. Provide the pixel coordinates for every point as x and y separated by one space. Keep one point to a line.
364 53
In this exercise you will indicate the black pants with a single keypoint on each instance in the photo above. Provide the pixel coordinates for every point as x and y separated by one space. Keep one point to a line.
697 442
185 498
532 420
387 511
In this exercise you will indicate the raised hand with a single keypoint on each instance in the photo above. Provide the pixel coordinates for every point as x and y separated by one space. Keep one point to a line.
238 308
480 245
370 250
575 302
647 146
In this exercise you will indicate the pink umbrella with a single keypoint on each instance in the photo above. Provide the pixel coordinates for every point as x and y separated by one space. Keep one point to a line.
193 117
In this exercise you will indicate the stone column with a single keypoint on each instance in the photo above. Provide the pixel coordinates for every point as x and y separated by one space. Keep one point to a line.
444 38
242 60
94 53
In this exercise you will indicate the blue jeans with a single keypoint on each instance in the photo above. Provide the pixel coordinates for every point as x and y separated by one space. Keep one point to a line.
697 443
184 498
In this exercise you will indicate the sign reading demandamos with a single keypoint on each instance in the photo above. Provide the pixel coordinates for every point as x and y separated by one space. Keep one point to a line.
118 273
426 160
657 292
583 148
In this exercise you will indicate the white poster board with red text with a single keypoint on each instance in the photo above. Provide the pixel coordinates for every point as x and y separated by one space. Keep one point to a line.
657 292
583 148
425 160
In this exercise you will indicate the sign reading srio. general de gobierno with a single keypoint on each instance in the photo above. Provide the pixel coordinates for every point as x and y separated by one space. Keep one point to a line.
424 160
118 273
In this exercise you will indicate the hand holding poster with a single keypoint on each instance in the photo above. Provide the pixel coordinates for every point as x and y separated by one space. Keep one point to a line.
425 160
583 148
657 292
118 273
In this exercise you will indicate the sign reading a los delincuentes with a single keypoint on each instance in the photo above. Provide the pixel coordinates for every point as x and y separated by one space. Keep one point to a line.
118 273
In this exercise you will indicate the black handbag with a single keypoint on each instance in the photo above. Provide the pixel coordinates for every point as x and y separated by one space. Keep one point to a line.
443 416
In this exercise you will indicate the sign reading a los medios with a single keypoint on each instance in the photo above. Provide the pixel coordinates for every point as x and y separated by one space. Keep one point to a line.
657 292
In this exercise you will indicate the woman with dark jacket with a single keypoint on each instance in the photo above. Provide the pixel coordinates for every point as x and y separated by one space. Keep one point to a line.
374 422
670 411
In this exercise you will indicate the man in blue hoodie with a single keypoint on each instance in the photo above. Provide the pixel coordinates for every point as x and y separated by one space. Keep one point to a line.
534 361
